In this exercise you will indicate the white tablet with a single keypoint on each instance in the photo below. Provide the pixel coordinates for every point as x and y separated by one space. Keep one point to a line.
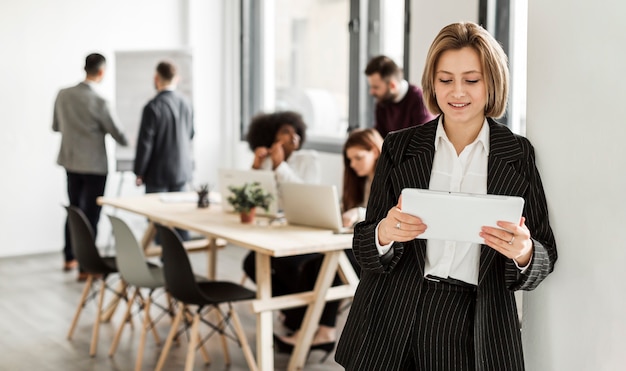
459 216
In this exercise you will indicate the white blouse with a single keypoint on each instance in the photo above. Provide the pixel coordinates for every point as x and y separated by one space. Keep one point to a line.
466 172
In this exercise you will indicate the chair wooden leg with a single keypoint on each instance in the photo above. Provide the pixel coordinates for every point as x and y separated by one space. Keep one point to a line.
96 322
222 327
155 334
241 335
170 305
110 310
125 320
172 310
170 337
205 354
81 303
193 343
144 332
151 325
203 351
142 304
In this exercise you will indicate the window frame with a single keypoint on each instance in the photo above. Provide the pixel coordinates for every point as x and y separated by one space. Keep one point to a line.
364 36
365 42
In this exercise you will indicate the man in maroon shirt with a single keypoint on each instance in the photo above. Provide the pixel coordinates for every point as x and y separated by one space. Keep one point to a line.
399 104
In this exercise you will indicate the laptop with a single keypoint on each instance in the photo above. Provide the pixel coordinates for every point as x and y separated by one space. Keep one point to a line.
238 177
312 205
459 216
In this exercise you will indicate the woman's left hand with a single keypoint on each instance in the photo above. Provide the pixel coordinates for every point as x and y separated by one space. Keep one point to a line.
350 217
514 242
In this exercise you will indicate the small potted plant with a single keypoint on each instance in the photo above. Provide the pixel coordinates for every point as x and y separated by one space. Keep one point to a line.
246 198
203 195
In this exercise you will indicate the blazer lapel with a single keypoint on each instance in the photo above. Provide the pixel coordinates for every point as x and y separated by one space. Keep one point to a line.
414 161
503 178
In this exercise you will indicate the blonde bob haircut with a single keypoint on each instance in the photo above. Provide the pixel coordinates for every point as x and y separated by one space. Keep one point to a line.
493 59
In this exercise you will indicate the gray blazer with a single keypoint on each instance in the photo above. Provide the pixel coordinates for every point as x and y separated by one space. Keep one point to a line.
84 118
376 331
164 154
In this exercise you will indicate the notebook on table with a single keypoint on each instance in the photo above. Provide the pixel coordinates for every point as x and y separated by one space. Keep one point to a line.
459 216
312 205
238 177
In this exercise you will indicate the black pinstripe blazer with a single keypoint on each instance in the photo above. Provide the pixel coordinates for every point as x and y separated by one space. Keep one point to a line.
382 313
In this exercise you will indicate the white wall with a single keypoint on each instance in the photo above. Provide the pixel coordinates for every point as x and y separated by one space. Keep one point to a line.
576 320
44 44
427 18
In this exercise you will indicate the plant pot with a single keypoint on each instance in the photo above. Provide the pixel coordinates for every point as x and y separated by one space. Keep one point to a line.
248 217
203 199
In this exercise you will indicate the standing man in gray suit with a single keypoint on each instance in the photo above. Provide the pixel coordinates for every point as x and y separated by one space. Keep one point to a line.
164 160
83 117
449 305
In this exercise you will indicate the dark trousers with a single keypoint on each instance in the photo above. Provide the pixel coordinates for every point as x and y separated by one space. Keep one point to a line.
184 235
83 190
293 274
443 333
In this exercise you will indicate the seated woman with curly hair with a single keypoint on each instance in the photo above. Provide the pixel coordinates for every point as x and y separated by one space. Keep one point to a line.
275 139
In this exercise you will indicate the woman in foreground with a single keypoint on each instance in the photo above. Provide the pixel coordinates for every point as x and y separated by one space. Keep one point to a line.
447 305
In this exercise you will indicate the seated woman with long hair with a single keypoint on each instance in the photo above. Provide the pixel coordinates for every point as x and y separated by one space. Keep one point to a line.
360 155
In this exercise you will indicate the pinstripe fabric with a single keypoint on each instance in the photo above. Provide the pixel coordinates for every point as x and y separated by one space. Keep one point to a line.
383 312
442 339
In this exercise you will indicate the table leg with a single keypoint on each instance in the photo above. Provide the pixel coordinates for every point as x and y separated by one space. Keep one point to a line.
346 271
264 323
325 279
212 258
148 235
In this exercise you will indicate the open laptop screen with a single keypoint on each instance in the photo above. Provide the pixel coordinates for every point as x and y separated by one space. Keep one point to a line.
312 205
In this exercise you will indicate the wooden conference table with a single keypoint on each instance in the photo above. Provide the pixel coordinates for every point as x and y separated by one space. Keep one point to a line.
267 240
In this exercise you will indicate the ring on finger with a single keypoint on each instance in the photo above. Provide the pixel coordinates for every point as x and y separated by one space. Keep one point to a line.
512 239
398 225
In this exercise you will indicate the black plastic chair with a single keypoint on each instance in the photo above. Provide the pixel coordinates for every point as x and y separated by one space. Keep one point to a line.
207 296
98 268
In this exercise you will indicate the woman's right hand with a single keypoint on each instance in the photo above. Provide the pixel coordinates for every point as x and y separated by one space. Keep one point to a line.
398 226
350 217
277 153
260 153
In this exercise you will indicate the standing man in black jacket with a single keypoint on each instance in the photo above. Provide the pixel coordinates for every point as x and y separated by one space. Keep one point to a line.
163 161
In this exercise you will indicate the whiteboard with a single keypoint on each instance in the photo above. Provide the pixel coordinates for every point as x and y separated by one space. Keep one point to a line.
134 87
